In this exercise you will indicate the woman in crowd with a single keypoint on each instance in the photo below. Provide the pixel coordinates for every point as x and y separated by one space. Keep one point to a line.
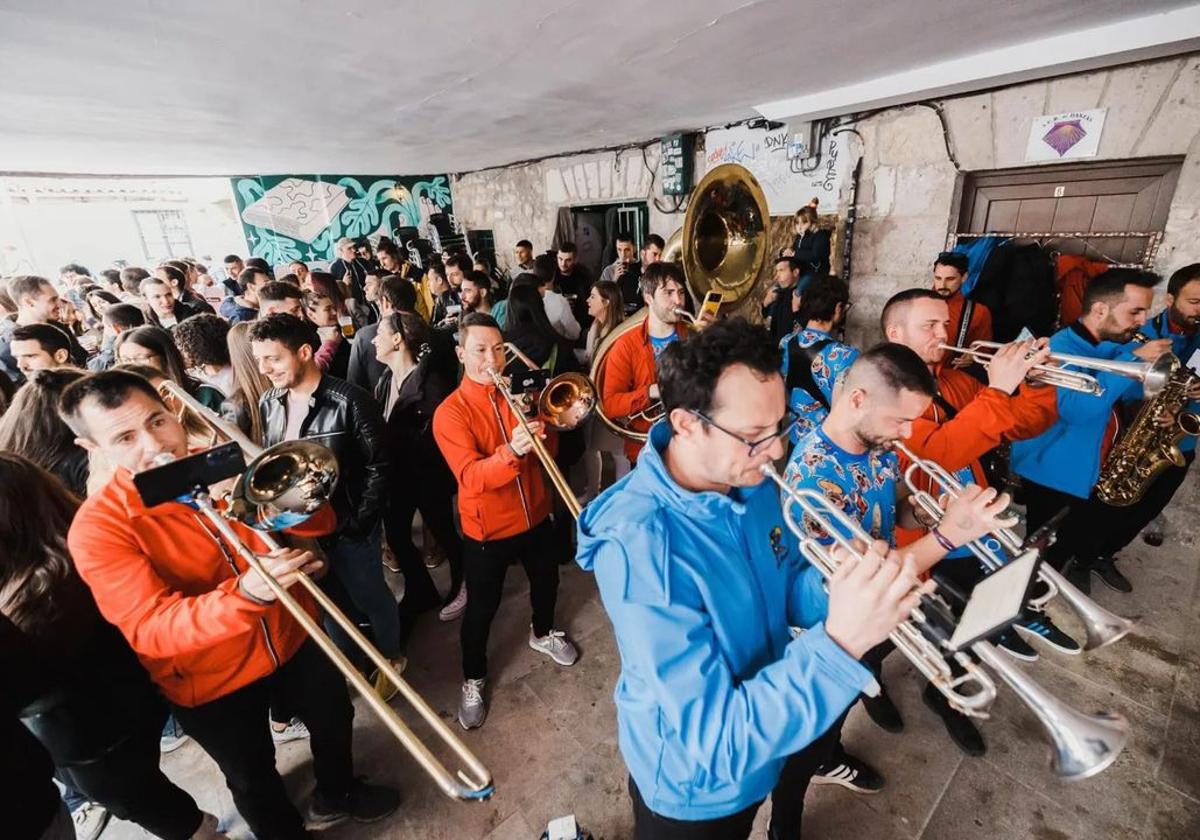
249 384
408 391
334 355
33 429
154 346
76 685
605 306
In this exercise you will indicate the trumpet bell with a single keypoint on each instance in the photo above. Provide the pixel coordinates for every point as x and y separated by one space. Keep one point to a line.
725 233
284 485
567 400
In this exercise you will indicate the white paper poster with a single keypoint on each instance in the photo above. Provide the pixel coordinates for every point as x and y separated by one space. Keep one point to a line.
787 181
1075 134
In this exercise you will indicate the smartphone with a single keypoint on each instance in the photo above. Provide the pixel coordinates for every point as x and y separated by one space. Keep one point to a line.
712 304
177 480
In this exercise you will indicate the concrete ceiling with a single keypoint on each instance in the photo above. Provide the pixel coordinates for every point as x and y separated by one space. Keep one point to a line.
372 86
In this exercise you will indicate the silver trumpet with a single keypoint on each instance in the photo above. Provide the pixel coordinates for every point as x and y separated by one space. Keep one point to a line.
1081 745
1153 375
1102 626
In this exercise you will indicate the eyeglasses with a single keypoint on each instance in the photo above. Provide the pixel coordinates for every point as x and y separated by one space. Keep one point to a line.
786 425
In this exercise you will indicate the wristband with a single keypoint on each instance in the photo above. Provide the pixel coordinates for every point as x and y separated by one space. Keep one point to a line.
941 539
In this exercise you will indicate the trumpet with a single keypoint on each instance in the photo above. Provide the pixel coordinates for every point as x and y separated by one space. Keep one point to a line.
1081 745
566 401
1102 626
282 486
1152 375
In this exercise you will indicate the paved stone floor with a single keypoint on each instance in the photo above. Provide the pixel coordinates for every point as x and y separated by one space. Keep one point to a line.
550 736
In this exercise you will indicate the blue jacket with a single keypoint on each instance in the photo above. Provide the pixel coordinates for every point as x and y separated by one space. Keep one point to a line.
1067 455
1183 346
701 589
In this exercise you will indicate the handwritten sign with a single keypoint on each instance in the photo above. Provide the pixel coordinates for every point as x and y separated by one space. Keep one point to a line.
789 182
1075 134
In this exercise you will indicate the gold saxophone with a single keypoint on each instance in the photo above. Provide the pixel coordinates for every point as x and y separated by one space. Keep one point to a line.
1148 448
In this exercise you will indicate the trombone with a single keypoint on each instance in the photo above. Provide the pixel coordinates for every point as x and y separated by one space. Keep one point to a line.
284 485
1152 375
566 401
1082 745
1102 626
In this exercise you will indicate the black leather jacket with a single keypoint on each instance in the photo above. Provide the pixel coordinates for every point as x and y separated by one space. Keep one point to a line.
346 420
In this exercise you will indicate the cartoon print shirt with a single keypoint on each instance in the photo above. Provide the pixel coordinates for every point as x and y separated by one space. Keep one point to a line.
864 486
831 362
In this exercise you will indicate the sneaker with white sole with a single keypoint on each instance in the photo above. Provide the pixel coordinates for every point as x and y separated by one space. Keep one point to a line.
556 645
849 772
294 731
173 736
90 819
1016 647
456 607
472 710
1039 626
383 684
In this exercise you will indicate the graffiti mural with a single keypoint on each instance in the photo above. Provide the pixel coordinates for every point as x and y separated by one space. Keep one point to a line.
301 217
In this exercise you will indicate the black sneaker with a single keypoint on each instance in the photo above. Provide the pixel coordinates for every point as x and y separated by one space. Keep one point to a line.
1016 647
1106 570
849 772
884 712
959 727
365 803
1039 626
1080 578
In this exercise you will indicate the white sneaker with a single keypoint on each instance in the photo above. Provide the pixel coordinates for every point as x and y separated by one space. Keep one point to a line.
90 819
173 737
456 607
472 710
556 645
294 731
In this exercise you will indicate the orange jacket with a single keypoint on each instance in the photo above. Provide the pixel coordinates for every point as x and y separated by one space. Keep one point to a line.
985 418
161 577
980 328
629 371
499 494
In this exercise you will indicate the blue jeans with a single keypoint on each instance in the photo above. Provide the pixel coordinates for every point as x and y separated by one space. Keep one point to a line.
357 565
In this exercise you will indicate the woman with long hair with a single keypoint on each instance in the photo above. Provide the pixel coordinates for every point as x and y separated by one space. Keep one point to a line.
607 308
409 390
76 685
249 384
154 346
530 331
32 428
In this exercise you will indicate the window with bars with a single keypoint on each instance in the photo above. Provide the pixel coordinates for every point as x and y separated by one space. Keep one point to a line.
164 234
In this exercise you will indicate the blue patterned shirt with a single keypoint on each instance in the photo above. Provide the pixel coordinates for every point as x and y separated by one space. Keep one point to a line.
864 486
830 363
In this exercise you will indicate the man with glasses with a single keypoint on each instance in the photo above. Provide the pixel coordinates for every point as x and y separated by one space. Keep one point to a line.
718 703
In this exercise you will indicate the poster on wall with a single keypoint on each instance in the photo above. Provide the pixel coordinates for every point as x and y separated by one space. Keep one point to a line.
301 217
1075 134
789 182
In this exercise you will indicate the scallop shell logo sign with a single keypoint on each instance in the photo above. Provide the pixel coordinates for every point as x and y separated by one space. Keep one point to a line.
1063 136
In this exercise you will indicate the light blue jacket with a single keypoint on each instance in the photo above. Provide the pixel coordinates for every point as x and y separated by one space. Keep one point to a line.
701 588
1183 346
1067 455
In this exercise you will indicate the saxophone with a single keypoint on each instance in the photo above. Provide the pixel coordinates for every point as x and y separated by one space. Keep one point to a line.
1148 448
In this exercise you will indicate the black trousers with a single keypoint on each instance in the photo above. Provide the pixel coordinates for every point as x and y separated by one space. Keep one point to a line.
787 803
128 782
484 566
436 503
1128 522
233 730
1083 533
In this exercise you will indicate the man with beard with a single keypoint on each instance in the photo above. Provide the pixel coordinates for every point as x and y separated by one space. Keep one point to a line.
848 459
626 272
1060 466
969 320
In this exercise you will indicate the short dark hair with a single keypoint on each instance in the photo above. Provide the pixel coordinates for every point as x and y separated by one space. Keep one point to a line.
953 259
132 277
399 292
822 298
899 301
655 274
567 248
463 263
110 388
625 236
203 340
1182 277
688 370
277 291
655 239
475 319
232 258
259 263
480 278
792 262
1111 284
50 337
176 277
248 275
125 315
288 330
26 284
74 268
524 243
111 275
898 367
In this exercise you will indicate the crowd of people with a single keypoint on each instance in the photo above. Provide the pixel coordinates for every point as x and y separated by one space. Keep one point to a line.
392 367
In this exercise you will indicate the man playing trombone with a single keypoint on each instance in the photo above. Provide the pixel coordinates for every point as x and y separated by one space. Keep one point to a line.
1060 467
717 704
207 629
